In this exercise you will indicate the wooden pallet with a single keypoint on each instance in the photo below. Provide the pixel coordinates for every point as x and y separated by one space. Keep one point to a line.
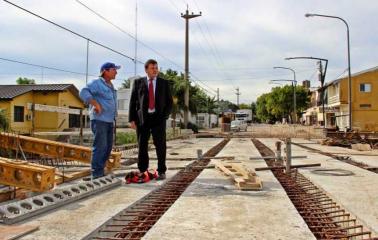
245 179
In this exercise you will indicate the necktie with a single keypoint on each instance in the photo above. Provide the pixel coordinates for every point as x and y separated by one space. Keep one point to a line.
151 97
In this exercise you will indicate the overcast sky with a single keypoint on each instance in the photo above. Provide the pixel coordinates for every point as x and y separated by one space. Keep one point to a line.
233 44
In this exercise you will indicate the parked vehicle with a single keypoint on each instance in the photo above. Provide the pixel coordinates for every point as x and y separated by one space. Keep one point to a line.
244 115
238 125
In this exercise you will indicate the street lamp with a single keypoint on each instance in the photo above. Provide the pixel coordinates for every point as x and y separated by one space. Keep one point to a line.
322 77
294 83
349 70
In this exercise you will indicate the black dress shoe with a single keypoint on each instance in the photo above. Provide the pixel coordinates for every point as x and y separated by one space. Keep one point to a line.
161 177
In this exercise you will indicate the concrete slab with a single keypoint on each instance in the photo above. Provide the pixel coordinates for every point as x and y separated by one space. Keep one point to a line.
368 157
357 193
78 219
182 148
212 208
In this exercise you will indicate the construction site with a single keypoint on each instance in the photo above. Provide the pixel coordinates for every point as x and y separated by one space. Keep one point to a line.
188 120
258 184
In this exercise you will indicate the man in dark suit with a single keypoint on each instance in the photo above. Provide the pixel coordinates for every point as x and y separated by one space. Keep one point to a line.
150 106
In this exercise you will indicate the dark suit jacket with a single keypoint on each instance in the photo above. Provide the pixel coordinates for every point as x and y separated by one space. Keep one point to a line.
138 110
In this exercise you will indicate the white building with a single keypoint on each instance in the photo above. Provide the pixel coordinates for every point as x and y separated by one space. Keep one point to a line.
205 120
123 98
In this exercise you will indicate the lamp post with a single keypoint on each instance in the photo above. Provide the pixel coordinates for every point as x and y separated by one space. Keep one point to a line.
294 83
349 70
322 77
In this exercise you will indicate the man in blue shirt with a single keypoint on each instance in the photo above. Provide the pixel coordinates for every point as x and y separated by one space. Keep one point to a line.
101 97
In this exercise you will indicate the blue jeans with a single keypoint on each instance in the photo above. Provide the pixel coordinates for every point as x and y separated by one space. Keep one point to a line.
102 146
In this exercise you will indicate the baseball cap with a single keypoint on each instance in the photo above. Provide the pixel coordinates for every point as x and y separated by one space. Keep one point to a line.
108 65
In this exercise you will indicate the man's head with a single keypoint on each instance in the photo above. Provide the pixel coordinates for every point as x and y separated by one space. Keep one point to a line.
109 71
151 68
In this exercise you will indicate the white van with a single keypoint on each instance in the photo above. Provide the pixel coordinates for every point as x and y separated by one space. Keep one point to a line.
238 125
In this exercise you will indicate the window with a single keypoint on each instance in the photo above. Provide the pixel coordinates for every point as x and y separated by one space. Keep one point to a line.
18 113
365 87
365 105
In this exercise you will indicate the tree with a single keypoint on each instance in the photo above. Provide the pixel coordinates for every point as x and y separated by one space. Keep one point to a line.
25 80
226 105
244 106
278 103
126 83
254 116
198 100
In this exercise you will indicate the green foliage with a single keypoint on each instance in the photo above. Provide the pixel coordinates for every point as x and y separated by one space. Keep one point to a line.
126 138
126 83
25 80
226 105
199 101
278 104
254 108
4 123
244 106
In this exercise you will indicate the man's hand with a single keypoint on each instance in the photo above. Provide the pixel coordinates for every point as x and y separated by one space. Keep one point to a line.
97 106
132 125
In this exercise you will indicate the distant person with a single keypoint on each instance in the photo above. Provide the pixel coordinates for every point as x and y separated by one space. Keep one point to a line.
102 99
150 106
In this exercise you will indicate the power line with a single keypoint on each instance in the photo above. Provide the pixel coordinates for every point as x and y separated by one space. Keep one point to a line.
128 34
341 73
50 68
71 31
142 43
41 66
213 50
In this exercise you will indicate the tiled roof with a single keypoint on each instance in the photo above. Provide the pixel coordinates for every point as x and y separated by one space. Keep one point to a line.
8 92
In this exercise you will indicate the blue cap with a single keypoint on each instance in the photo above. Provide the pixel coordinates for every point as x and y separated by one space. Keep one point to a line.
108 65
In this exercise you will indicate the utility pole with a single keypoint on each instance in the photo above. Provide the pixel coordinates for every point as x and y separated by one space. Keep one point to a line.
187 16
321 79
237 96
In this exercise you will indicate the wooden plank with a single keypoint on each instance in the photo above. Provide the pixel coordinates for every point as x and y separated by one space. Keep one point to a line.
244 179
17 231
71 176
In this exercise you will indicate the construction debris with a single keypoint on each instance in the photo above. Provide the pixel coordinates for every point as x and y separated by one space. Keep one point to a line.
361 147
354 140
244 179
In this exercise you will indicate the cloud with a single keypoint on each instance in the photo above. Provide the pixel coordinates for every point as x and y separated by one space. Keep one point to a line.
239 40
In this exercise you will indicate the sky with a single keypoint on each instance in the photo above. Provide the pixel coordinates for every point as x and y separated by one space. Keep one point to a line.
234 44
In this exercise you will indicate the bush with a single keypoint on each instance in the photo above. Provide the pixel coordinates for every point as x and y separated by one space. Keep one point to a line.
126 138
4 123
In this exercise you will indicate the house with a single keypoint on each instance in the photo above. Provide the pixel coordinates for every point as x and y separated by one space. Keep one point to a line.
313 115
205 120
364 102
16 102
